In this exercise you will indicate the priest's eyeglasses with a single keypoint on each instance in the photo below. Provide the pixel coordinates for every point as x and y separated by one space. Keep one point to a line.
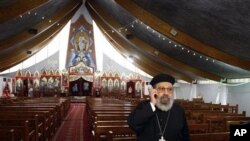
163 89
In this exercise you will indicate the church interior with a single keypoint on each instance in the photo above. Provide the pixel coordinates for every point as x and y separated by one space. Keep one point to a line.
86 64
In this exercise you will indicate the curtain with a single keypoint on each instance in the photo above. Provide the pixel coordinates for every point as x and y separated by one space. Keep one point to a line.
221 96
193 92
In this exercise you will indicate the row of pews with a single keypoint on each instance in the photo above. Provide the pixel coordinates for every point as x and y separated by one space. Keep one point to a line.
211 122
107 119
31 119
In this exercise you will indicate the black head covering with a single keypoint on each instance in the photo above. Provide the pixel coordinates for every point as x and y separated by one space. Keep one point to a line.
162 78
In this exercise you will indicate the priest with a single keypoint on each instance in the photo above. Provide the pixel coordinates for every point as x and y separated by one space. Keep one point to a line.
160 119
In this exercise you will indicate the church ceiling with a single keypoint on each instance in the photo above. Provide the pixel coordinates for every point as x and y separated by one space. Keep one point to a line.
25 26
191 40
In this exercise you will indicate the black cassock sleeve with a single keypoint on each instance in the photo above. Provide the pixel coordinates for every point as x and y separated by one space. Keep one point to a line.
139 118
186 136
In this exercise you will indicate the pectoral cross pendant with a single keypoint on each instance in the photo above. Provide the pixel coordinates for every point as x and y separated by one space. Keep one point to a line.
162 139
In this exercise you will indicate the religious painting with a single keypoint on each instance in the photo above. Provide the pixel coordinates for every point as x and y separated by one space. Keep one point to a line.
130 89
64 79
30 83
19 84
57 82
81 45
97 81
138 88
116 84
44 82
36 82
104 84
85 86
147 88
6 88
50 82
30 88
123 86
75 88
110 84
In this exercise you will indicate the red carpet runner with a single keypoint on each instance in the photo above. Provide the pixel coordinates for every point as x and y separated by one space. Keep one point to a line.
71 128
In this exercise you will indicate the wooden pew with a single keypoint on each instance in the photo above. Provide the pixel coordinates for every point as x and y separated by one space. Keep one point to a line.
110 122
59 106
110 131
110 119
111 134
54 114
62 104
234 120
200 137
22 130
117 137
203 116
46 117
7 134
219 136
198 128
54 109
50 111
34 122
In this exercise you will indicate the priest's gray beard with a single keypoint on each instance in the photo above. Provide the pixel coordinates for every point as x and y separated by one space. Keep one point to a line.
165 102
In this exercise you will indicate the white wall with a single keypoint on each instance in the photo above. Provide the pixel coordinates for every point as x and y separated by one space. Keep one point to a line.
240 95
208 92
182 91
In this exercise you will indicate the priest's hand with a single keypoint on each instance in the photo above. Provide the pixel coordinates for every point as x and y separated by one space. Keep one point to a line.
153 96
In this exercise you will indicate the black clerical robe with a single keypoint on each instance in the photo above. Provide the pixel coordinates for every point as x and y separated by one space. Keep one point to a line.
144 122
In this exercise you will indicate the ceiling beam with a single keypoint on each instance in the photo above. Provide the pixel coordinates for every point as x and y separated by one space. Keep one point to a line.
11 58
140 58
43 25
151 50
184 39
18 8
119 44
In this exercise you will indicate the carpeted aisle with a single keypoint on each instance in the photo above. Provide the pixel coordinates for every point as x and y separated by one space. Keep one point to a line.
72 126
